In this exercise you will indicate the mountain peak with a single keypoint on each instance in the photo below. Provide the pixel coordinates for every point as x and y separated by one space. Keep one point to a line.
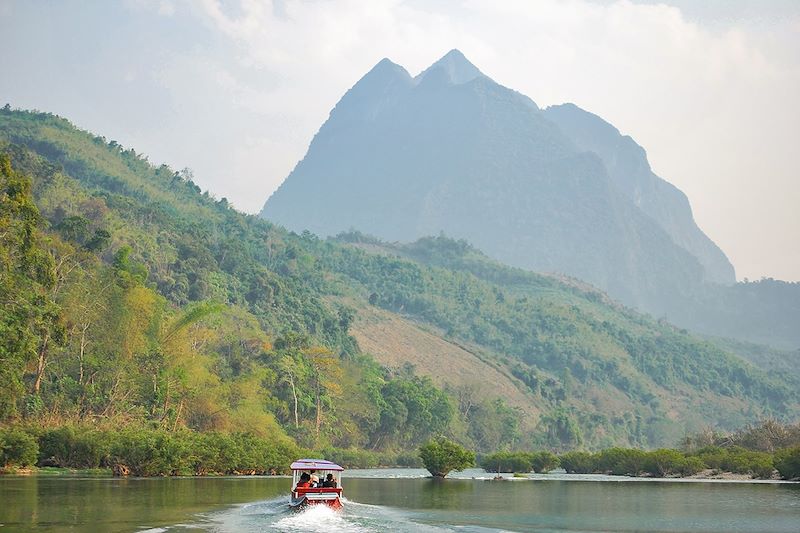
383 76
454 67
387 68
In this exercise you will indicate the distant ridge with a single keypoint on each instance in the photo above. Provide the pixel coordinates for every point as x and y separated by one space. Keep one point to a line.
451 151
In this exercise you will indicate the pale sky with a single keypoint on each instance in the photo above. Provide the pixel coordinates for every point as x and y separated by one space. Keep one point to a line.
236 90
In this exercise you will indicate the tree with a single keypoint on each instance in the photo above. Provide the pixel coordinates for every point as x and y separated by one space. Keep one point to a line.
289 375
493 425
183 372
412 410
578 462
787 462
325 374
545 461
664 462
441 456
561 429
310 374
17 448
26 278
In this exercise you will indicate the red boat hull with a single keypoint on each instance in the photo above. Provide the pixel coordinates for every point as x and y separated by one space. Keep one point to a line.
336 504
302 498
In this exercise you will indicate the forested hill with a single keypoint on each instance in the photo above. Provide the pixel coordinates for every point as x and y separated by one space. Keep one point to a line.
134 298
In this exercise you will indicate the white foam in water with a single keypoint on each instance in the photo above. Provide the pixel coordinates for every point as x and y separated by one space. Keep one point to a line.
275 515
266 507
317 518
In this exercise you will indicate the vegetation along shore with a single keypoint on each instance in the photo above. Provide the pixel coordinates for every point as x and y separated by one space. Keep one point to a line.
155 452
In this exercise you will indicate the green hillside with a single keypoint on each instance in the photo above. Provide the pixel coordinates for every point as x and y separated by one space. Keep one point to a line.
168 308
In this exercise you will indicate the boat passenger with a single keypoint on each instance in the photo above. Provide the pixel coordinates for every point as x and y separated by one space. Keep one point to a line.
305 481
314 480
329 482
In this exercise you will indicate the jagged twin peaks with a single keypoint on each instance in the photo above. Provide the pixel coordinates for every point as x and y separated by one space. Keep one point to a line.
452 151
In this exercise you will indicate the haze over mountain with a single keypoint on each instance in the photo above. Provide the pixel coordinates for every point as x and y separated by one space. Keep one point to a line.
452 151
627 165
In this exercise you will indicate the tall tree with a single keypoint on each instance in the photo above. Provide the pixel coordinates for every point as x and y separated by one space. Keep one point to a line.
26 275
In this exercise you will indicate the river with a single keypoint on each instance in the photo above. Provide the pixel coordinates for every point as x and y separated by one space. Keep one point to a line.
399 500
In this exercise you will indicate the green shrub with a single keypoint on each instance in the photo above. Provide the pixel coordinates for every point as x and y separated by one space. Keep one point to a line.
545 461
252 454
507 462
787 462
213 453
70 447
155 452
278 456
691 465
151 452
260 456
712 456
352 458
409 460
664 462
441 455
355 458
17 448
578 462
621 461
741 461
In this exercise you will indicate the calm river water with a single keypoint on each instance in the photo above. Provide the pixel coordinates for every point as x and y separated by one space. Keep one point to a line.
399 500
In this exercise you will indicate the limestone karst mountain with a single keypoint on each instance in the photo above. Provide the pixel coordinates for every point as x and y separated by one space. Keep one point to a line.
627 165
451 151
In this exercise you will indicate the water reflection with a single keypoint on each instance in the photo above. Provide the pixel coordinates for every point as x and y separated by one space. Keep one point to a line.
545 505
71 504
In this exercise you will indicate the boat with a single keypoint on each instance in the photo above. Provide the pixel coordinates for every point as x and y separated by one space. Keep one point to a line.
303 496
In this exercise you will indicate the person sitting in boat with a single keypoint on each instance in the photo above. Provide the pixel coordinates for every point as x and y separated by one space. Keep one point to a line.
305 481
329 482
314 480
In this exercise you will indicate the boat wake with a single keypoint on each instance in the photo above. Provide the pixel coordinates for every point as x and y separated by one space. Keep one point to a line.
275 515
318 518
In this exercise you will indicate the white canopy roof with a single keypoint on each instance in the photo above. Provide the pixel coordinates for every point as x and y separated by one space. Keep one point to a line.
315 464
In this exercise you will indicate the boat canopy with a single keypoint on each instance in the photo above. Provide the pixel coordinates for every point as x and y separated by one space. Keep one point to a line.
315 464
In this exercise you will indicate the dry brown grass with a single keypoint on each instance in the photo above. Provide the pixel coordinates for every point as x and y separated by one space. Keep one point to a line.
394 341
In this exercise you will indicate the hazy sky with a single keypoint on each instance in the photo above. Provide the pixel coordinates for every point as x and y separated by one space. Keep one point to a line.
236 90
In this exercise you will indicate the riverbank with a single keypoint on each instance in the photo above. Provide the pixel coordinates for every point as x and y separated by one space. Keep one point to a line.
148 452
712 474
708 462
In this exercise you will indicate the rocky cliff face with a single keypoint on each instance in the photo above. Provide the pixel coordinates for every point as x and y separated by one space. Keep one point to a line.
453 151
627 165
